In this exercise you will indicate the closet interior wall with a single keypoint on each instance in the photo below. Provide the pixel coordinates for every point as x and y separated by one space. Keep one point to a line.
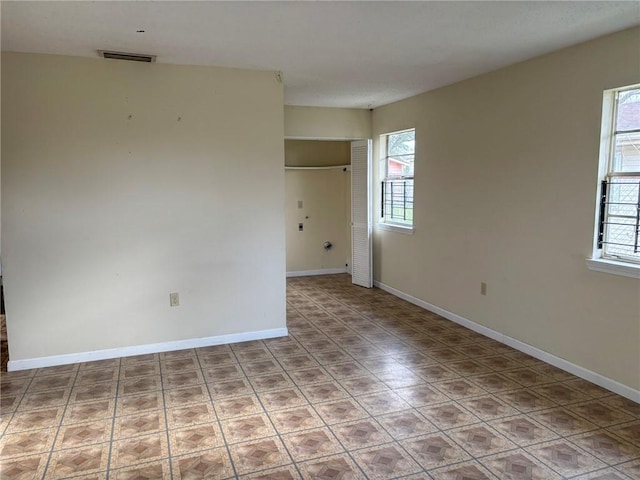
318 197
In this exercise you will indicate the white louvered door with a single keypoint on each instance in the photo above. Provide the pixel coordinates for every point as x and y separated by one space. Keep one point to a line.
361 228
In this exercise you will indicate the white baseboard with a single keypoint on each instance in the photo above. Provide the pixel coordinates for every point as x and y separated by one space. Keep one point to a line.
66 359
593 377
324 271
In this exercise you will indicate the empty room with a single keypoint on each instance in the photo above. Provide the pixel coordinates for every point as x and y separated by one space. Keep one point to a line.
320 240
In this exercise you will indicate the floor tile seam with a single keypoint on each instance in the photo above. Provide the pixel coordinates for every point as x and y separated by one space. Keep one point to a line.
464 409
361 403
374 417
264 409
350 377
336 317
64 412
33 429
557 470
218 421
328 373
166 417
324 367
423 379
479 397
140 465
396 443
3 430
415 410
338 380
519 449
436 386
455 464
395 440
478 457
113 420
386 329
536 388
347 451
528 411
326 425
244 475
528 418
357 464
468 425
585 417
625 474
636 416
564 435
22 397
293 460
609 426
633 442
570 439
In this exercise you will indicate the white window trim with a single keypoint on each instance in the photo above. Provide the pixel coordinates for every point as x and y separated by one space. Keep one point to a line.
597 262
605 265
387 225
392 227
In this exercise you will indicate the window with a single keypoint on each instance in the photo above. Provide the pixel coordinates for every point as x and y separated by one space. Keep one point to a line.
618 229
398 155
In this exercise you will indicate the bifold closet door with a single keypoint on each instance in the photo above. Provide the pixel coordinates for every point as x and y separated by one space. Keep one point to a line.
361 228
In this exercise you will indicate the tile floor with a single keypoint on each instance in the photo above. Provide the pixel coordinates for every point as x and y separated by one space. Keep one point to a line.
365 386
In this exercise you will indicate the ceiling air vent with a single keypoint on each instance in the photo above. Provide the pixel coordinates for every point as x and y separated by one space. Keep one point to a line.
132 57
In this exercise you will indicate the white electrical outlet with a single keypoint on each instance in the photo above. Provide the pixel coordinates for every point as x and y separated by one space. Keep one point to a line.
174 299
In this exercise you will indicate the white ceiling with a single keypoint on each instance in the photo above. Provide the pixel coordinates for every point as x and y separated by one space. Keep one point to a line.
335 54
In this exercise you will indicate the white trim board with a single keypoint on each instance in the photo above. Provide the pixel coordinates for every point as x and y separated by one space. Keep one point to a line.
331 167
324 139
324 271
615 268
561 363
66 359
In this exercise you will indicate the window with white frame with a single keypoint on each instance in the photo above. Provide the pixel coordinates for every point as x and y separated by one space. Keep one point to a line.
397 165
618 229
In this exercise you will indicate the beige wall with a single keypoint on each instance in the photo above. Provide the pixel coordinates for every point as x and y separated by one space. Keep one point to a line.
326 123
316 153
123 182
324 214
506 174
326 205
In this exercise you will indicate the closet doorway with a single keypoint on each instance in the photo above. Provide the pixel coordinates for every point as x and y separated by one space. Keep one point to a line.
328 208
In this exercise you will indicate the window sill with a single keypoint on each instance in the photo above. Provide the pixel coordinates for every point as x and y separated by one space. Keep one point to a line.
396 228
613 267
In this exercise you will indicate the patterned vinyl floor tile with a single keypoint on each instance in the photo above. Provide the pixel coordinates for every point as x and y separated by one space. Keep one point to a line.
366 386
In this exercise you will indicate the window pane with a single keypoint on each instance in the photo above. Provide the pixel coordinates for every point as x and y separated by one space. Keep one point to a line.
628 110
621 226
398 201
621 238
623 196
400 154
627 152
